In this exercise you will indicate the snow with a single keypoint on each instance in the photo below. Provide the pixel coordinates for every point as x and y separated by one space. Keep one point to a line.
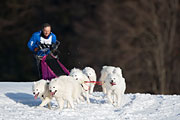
17 103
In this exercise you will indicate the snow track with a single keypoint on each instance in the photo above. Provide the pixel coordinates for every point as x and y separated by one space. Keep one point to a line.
17 103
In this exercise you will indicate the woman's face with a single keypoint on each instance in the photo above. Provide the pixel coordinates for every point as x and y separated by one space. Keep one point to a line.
47 31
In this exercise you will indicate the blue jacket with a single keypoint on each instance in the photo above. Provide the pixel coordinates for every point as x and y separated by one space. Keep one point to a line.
37 39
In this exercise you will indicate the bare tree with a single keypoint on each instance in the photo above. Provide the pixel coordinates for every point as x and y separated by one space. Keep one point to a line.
158 38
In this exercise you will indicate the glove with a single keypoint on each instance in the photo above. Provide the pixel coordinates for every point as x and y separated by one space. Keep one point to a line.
36 49
55 46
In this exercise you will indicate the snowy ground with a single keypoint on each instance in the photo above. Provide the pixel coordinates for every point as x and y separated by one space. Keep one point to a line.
17 103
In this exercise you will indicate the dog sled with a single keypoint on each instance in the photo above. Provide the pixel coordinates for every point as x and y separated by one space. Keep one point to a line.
51 67
48 63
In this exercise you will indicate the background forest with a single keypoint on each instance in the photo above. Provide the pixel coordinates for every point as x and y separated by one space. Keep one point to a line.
140 36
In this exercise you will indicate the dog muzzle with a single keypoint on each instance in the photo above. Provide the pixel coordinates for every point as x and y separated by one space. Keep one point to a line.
53 93
36 95
112 83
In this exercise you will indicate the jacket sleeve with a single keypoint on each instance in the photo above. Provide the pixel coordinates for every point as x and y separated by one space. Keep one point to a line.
53 38
32 43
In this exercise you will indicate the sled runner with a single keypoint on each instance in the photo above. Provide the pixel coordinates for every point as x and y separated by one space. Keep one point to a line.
51 67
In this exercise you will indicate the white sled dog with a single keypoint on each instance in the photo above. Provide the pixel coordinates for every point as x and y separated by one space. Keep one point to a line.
104 72
108 70
82 80
41 90
65 88
91 74
115 86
